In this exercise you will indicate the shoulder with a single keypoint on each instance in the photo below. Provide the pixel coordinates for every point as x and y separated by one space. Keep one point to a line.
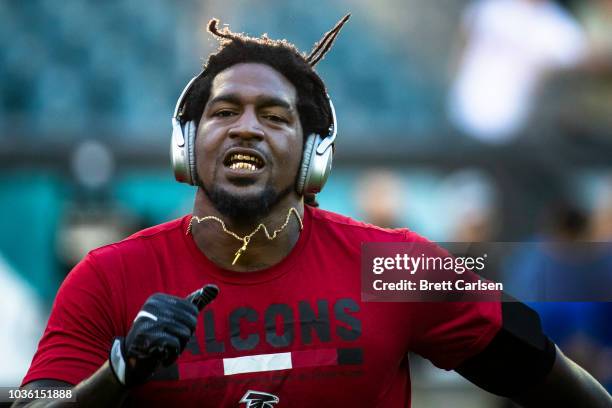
160 230
165 232
134 253
342 225
103 270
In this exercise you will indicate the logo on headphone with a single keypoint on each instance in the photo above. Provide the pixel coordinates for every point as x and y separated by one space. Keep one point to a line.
258 399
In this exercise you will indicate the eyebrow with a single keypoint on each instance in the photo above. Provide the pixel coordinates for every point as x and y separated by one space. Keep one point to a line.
261 101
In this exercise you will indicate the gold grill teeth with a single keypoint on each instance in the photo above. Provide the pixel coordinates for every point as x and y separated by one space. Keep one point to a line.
243 166
246 158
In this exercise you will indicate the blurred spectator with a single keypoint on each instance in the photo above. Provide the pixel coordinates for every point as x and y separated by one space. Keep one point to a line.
600 225
471 199
21 324
508 47
596 17
380 198
472 206
560 263
88 227
556 265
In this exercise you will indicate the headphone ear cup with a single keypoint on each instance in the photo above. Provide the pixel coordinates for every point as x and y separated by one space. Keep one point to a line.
190 130
178 153
309 150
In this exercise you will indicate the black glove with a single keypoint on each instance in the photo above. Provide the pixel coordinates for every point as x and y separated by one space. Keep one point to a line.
158 335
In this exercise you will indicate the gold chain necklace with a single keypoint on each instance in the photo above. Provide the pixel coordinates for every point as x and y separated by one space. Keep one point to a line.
247 238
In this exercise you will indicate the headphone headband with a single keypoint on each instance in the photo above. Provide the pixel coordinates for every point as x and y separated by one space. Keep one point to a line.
332 131
181 100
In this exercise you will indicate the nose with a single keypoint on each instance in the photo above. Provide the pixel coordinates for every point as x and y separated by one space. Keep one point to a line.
247 126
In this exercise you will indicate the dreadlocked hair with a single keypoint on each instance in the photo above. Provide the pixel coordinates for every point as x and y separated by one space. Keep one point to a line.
235 48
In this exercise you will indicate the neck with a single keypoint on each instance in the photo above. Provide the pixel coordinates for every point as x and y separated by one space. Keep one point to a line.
220 247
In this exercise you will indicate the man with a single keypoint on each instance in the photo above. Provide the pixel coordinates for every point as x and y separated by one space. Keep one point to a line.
510 46
288 327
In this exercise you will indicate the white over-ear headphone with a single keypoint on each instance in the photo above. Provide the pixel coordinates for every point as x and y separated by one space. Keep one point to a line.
316 158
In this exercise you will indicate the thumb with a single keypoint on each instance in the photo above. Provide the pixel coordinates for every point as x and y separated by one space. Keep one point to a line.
203 296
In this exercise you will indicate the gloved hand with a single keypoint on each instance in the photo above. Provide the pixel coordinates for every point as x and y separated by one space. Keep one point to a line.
158 335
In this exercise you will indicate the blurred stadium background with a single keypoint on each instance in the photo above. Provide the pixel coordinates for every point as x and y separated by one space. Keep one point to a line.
87 90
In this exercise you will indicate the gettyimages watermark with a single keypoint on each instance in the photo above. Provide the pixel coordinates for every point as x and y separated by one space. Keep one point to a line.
492 271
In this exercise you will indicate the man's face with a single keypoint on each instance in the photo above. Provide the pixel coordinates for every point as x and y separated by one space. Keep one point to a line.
249 142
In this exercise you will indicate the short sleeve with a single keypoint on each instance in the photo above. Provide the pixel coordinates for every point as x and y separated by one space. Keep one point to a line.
78 336
448 333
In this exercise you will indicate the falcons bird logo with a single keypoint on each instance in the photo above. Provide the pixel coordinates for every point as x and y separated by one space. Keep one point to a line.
258 399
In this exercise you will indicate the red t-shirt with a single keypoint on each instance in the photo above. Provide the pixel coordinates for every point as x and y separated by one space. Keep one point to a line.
296 333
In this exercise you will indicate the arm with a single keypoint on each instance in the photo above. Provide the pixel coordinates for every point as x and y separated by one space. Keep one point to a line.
522 364
157 337
567 384
102 389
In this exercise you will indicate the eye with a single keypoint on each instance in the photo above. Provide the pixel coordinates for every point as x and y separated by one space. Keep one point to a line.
276 118
224 113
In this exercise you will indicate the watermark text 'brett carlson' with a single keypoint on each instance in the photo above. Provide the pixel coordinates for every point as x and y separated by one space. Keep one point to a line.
527 271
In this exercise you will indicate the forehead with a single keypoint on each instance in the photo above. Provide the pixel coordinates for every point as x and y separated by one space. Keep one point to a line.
252 80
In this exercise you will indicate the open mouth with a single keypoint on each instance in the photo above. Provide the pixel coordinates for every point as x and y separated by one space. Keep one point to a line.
243 162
